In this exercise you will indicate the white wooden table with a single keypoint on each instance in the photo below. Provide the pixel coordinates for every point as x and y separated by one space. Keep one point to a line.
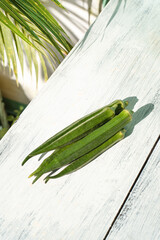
117 196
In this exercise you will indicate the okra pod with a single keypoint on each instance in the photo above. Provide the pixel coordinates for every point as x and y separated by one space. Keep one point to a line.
77 149
87 158
79 129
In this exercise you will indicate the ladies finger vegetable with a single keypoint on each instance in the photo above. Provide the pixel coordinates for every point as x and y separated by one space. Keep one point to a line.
80 128
84 140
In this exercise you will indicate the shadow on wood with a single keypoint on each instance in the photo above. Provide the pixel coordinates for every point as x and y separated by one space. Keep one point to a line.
139 115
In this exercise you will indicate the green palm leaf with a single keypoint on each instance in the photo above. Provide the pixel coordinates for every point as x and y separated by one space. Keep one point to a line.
1 47
9 9
19 49
9 48
13 28
43 66
33 54
32 26
28 53
58 3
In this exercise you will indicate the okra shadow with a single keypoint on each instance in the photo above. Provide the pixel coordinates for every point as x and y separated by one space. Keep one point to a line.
131 102
138 116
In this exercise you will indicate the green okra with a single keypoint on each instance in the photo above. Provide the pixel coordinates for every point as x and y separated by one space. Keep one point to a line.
90 156
77 149
80 128
76 133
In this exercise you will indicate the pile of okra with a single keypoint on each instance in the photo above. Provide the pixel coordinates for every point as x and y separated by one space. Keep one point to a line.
82 141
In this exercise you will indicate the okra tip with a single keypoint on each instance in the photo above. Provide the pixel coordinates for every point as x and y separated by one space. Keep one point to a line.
46 180
36 178
123 131
31 175
128 112
126 103
26 159
131 113
37 175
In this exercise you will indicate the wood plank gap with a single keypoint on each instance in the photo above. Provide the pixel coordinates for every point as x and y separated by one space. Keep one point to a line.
129 192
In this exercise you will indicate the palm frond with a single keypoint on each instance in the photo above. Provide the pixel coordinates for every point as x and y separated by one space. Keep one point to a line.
28 53
34 59
13 28
1 47
39 15
29 24
9 48
43 66
19 50
58 3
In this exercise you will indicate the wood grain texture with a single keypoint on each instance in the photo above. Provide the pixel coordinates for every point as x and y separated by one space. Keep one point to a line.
118 60
139 218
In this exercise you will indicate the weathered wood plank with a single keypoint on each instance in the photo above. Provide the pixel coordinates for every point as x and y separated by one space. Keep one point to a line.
139 218
112 61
